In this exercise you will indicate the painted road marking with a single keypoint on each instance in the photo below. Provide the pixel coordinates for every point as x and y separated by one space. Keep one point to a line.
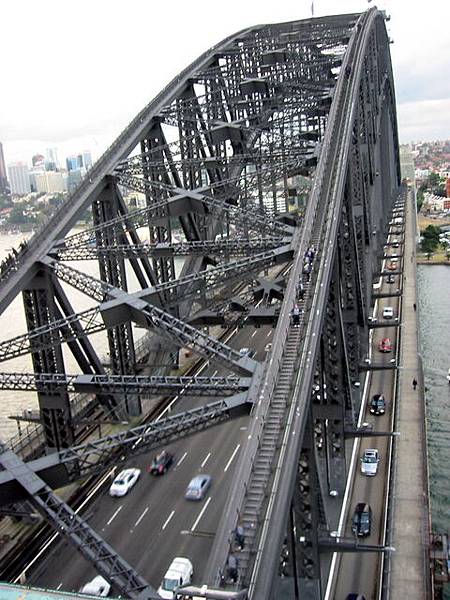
231 458
206 460
197 520
141 517
168 519
181 460
114 515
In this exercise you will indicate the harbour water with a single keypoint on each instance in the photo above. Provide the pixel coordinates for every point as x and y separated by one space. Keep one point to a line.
434 319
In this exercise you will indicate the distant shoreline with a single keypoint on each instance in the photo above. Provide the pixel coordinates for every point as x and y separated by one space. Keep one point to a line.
439 259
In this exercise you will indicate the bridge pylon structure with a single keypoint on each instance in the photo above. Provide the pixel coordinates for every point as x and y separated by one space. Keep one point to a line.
276 148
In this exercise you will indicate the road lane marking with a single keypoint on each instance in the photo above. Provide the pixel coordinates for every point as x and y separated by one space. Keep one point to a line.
270 333
215 373
231 458
253 334
206 460
197 520
181 460
59 586
167 520
114 515
141 517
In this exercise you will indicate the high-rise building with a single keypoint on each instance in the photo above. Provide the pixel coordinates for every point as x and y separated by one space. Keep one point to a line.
74 162
73 178
3 177
51 181
87 159
52 157
18 178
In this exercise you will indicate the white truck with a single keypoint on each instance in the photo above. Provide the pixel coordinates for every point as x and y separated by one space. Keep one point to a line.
179 573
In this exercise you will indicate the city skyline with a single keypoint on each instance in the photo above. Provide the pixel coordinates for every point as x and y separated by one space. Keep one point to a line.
93 113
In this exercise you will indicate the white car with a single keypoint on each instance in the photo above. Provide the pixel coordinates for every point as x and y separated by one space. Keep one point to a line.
388 312
179 573
369 462
124 481
97 587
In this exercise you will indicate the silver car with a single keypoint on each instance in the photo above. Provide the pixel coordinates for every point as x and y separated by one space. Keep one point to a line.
369 462
197 488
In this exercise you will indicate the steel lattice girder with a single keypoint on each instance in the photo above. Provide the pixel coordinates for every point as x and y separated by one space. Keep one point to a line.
75 529
124 384
221 248
61 468
90 320
323 212
181 289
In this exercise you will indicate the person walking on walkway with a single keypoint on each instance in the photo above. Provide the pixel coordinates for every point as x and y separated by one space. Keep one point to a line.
414 382
414 307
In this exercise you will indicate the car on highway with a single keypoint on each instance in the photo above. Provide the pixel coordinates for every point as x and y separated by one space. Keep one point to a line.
393 264
369 462
247 352
160 463
395 243
124 481
362 520
388 312
179 573
385 345
390 278
378 405
355 597
198 486
97 587
268 347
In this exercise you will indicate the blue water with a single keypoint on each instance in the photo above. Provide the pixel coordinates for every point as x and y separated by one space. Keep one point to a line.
434 323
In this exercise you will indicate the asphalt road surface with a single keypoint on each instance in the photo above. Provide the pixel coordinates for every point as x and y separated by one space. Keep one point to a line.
360 572
154 523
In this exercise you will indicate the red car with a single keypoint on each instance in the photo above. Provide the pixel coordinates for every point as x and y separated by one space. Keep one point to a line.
385 345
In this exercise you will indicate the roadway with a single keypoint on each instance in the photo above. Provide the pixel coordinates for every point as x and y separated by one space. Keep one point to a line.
360 572
154 523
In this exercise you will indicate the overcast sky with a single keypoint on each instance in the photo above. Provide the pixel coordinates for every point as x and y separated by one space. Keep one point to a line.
74 73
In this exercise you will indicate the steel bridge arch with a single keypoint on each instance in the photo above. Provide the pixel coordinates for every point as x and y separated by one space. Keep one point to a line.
355 209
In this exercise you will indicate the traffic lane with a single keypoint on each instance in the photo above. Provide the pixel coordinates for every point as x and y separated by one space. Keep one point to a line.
193 526
159 531
358 573
111 524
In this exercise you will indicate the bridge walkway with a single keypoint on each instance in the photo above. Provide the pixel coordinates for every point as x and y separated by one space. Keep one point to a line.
410 575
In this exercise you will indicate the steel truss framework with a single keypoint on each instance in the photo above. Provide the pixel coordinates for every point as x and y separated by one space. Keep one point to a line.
216 158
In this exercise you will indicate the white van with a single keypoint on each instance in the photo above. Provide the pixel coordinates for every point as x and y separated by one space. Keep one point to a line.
97 587
179 573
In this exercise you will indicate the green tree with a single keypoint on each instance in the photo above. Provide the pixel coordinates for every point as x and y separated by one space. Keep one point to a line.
16 216
433 180
430 239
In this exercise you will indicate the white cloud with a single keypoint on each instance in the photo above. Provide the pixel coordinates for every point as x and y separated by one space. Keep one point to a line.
83 69
427 120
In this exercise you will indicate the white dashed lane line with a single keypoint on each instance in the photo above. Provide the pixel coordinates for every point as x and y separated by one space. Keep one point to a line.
181 460
141 517
197 520
227 466
167 520
205 460
114 516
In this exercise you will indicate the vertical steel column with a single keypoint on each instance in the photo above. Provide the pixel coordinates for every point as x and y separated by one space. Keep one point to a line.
331 403
40 310
308 519
112 270
154 170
